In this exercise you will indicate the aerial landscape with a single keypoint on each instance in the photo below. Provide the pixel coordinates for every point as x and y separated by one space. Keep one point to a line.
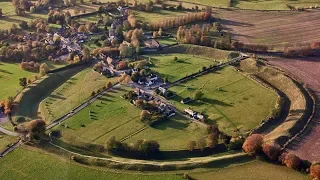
160 89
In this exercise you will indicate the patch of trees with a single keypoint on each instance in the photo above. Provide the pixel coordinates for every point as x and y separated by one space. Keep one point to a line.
141 149
31 51
21 6
249 47
30 66
202 35
298 51
56 17
6 106
254 145
33 130
134 40
180 20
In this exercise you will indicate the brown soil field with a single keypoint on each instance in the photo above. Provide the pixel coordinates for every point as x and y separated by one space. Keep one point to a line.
271 27
307 145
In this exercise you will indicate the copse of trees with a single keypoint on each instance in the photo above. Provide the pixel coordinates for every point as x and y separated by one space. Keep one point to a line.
253 144
180 20
298 51
141 148
272 151
315 170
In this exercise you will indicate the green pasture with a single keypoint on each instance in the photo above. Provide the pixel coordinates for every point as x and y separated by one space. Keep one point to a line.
230 99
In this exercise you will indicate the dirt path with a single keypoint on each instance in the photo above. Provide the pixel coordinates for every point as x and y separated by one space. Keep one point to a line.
306 69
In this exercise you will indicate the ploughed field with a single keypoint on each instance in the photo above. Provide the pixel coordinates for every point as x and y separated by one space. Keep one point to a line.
306 69
113 116
271 28
236 103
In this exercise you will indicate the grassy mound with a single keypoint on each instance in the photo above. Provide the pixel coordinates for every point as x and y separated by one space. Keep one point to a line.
285 84
71 93
28 101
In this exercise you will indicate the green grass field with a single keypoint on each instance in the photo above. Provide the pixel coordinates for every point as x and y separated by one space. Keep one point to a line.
29 165
11 18
230 99
252 170
156 15
117 117
72 93
55 65
6 140
9 79
167 41
166 66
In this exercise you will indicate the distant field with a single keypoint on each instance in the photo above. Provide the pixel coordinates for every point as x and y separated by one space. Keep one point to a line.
156 15
117 117
166 66
167 41
271 28
72 93
230 99
9 79
6 140
11 18
254 170
29 165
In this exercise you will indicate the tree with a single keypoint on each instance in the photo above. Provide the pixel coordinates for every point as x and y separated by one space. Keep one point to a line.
122 65
253 144
315 170
292 161
112 144
36 129
23 25
198 95
1 14
192 145
145 115
109 85
124 78
43 69
201 143
86 54
272 151
23 82
212 140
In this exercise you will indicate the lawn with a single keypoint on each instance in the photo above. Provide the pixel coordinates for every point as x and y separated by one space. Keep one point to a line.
28 165
11 18
6 140
117 117
253 170
72 93
230 99
166 66
9 79
167 41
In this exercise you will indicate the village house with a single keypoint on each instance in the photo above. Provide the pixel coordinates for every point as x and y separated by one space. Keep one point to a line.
151 44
